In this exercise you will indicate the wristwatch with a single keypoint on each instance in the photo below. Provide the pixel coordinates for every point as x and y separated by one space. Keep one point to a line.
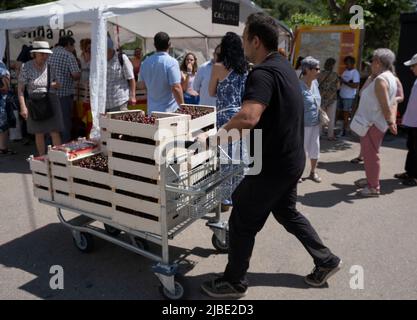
389 122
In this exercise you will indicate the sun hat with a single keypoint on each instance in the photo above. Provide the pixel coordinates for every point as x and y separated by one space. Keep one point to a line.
41 47
411 62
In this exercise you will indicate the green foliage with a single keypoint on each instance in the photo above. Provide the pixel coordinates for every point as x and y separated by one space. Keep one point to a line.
309 19
382 17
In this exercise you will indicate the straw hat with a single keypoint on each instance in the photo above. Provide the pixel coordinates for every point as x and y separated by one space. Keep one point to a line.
41 47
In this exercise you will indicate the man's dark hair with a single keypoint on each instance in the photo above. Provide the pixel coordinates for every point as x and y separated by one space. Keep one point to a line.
265 28
65 41
161 41
349 59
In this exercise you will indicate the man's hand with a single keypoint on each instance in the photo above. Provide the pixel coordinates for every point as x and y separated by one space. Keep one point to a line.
24 112
55 85
132 101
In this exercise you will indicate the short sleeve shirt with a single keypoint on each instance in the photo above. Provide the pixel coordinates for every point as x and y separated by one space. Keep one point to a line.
349 75
34 79
274 84
160 72
117 92
64 64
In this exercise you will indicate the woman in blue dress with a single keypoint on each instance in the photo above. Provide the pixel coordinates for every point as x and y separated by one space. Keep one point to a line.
227 84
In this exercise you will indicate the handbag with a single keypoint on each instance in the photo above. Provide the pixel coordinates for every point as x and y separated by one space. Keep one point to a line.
40 107
324 118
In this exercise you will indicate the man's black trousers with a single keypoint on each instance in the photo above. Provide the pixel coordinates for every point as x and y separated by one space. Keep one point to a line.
253 200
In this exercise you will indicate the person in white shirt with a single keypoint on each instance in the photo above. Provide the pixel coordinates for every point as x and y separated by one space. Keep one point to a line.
202 80
350 81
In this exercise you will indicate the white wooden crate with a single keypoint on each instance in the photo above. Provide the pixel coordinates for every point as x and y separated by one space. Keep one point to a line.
83 187
59 155
146 150
143 223
97 209
41 177
200 124
167 125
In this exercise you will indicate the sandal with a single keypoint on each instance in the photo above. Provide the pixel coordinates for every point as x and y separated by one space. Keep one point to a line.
402 176
357 160
410 182
7 151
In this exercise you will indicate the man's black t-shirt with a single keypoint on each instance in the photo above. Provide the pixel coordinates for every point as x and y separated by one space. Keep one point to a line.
274 83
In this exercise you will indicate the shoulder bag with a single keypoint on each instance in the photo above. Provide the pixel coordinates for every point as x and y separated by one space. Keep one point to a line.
39 105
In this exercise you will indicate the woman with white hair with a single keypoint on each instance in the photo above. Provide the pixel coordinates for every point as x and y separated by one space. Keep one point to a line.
42 109
310 68
376 114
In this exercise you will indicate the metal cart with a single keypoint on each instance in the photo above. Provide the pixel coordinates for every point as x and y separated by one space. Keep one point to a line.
191 201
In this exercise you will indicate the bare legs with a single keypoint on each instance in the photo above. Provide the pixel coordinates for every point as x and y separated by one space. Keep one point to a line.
40 141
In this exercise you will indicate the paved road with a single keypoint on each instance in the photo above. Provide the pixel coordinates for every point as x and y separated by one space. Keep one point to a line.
377 234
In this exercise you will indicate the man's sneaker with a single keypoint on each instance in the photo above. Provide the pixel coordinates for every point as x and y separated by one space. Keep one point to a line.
361 183
220 288
320 275
369 192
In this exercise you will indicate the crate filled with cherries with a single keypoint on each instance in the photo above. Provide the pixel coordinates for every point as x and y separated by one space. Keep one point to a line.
203 118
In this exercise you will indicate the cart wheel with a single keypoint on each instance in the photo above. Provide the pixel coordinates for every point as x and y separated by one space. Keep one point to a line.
111 230
85 243
222 248
142 244
179 292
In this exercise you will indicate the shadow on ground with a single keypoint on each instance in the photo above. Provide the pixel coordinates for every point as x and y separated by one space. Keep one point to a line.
109 272
345 193
17 163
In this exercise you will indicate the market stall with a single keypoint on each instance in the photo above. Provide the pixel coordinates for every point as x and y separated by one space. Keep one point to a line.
189 23
139 180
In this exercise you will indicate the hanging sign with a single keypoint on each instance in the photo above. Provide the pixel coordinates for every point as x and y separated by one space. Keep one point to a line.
225 12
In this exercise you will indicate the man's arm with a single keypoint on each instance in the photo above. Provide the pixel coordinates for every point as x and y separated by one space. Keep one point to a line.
198 80
132 91
247 118
177 92
351 85
76 76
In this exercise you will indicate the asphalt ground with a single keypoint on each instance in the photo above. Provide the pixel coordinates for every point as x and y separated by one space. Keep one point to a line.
377 234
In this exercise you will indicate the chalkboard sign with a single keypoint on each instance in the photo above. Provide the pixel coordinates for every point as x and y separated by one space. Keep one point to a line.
225 12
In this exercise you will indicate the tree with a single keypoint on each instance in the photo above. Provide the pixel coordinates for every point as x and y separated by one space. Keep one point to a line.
382 17
308 19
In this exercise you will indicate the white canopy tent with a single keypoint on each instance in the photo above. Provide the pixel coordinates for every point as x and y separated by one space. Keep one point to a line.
188 22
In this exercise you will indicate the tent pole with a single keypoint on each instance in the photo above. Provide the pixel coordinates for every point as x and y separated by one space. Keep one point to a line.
8 49
207 49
